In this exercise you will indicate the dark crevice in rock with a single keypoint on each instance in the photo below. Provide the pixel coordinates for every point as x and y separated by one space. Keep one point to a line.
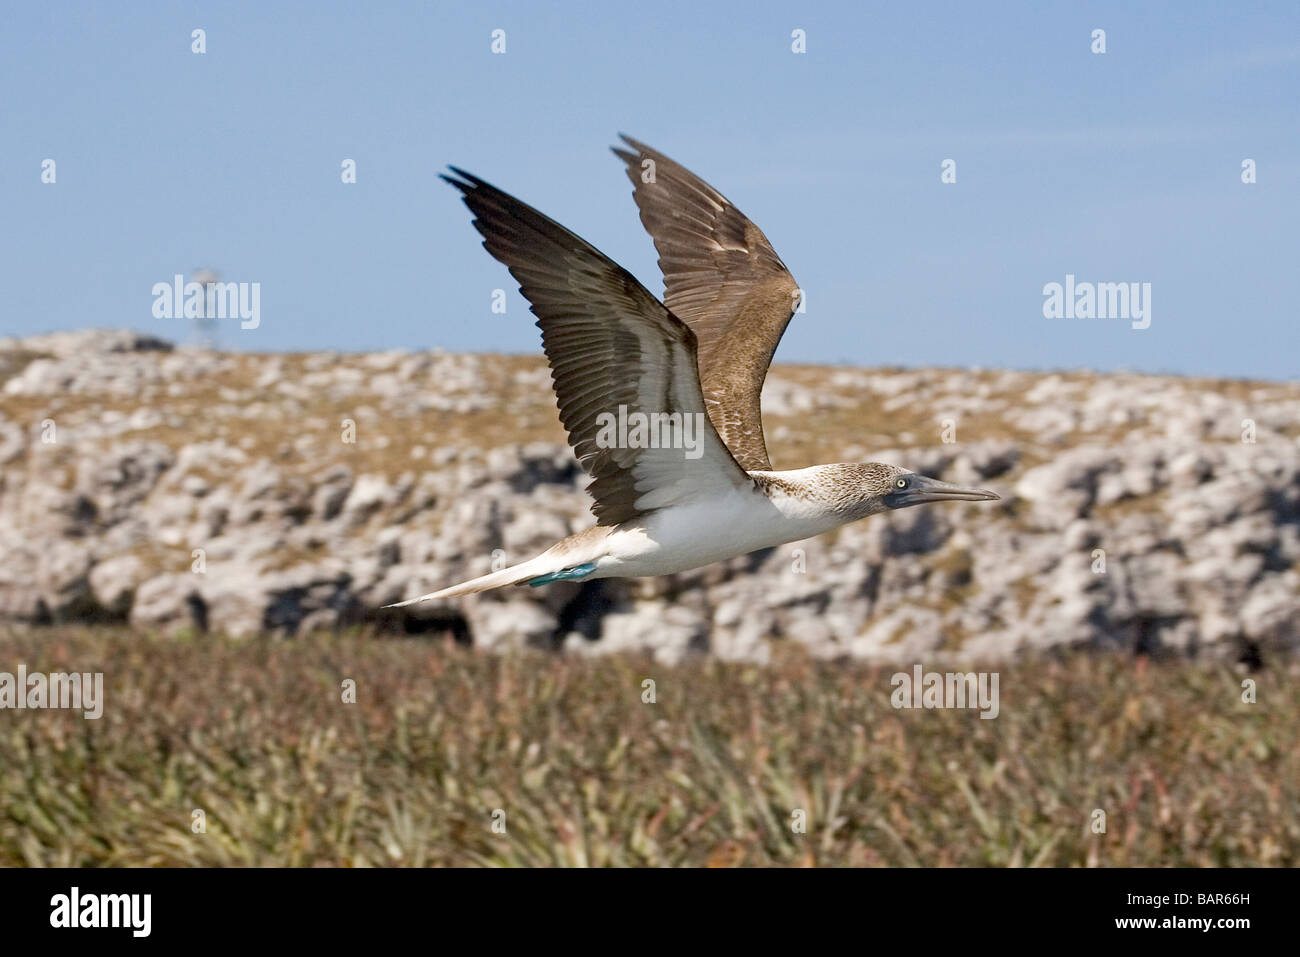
584 611
1146 631
1250 656
198 610
427 623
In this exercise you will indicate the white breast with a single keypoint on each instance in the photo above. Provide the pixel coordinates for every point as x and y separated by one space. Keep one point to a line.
709 530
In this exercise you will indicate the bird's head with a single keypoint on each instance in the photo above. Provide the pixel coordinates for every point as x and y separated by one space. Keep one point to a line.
899 488
860 489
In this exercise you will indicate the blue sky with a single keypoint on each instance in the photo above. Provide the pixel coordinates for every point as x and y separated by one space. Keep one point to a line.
1117 167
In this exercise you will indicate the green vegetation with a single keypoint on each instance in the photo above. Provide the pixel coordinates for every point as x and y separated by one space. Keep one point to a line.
256 735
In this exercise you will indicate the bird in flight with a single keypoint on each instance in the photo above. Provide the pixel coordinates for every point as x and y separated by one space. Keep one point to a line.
660 400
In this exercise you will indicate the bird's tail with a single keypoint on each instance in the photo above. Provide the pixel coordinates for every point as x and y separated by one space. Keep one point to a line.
572 559
498 579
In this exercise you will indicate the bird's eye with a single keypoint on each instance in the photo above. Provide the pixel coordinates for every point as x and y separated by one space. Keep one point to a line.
901 483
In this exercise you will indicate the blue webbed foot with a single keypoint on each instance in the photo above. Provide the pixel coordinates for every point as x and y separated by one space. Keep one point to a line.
576 573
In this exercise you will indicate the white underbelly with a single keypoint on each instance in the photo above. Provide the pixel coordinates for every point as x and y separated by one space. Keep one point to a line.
683 537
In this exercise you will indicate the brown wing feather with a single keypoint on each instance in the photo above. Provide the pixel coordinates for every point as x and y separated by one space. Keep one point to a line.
724 279
609 342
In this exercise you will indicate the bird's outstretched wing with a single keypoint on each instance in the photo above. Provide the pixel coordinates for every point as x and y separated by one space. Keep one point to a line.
611 346
723 279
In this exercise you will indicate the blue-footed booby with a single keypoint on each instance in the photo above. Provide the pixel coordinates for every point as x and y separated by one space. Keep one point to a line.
618 355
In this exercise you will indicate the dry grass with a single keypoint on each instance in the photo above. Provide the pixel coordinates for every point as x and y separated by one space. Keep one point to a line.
256 735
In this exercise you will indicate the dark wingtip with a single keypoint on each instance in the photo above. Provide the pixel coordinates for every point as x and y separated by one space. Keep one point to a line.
461 185
460 179
465 181
631 157
624 154
637 146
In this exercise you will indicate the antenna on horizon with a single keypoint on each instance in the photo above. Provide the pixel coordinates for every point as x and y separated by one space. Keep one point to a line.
205 326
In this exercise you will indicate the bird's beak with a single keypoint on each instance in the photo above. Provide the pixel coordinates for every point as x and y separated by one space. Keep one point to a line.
921 490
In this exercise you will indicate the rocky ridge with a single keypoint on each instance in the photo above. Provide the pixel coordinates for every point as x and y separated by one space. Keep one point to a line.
191 490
